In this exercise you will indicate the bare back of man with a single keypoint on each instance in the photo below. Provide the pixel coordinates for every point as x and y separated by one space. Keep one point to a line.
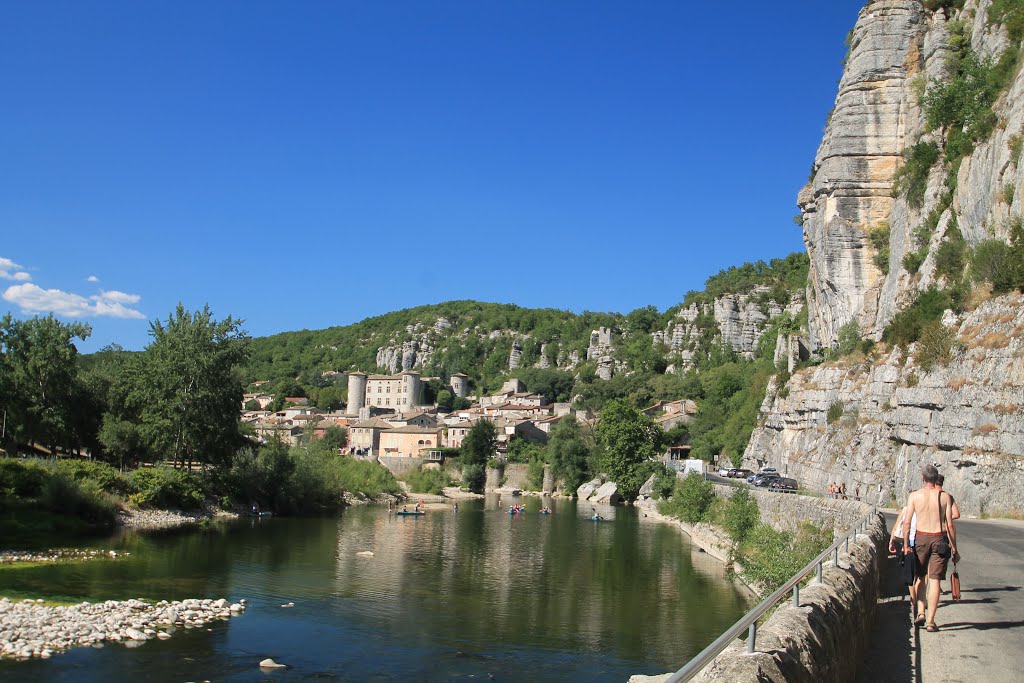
933 520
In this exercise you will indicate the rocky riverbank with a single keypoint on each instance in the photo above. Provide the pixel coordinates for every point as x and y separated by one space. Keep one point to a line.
58 555
167 519
32 629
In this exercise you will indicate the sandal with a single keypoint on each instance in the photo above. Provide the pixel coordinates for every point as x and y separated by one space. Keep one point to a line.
919 620
932 628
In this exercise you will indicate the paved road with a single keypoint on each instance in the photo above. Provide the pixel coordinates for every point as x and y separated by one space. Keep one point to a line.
980 638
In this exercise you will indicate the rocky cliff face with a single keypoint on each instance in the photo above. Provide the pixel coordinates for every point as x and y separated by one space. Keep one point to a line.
897 47
890 418
737 319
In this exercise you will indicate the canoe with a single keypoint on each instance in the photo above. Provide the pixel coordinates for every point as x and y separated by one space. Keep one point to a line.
599 519
260 514
410 514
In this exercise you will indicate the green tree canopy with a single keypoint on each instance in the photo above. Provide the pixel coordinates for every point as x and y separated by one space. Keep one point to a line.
477 448
569 454
39 379
628 441
185 389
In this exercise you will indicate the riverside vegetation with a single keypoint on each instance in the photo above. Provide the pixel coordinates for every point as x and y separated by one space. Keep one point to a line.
768 557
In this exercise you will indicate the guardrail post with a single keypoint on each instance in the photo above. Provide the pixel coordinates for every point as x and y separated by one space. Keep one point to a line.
819 572
751 637
796 595
847 548
835 558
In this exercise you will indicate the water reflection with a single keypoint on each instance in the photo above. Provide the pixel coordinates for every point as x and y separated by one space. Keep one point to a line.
446 596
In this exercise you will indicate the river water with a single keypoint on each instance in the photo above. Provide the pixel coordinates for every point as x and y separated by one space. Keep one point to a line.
470 595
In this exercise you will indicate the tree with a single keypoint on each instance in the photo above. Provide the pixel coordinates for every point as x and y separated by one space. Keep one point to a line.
185 389
444 401
252 404
477 448
741 515
628 440
121 439
569 454
38 379
335 438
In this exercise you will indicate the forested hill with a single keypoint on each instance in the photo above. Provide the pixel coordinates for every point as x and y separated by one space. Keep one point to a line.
490 341
455 336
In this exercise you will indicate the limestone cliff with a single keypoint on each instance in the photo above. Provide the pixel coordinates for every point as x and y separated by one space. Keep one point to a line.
874 422
736 319
898 49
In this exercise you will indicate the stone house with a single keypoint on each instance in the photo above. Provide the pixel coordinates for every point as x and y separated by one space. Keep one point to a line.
409 442
364 437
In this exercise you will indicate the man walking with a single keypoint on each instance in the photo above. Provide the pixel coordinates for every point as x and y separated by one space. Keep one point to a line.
934 526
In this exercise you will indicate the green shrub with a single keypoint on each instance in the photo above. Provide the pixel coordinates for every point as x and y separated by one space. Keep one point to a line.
849 338
741 515
935 345
1016 145
474 477
835 412
84 499
1010 13
108 478
431 480
951 258
535 473
990 261
878 238
21 478
691 499
1008 192
913 261
911 179
664 483
906 326
912 380
770 557
258 476
166 488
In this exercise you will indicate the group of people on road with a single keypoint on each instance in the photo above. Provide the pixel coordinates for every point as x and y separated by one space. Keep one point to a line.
835 490
924 540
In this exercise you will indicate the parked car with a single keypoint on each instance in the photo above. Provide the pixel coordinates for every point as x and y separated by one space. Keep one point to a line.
764 479
724 471
740 473
783 484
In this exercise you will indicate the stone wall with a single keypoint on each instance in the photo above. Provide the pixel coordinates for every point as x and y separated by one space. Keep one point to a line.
512 476
826 636
399 466
785 511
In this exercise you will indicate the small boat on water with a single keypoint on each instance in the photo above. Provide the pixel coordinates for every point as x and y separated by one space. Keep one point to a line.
261 514
598 518
410 513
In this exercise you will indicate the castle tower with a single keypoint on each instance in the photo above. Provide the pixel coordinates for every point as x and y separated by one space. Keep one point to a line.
356 392
460 384
412 388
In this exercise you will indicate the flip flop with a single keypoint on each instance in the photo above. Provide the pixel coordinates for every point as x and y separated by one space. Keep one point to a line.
932 628
919 620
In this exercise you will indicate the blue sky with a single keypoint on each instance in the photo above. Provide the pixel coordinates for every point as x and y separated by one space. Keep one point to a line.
308 164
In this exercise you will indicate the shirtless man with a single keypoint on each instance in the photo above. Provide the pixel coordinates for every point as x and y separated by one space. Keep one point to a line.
954 508
926 503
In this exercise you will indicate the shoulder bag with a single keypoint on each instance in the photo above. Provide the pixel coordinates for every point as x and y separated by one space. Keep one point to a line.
942 547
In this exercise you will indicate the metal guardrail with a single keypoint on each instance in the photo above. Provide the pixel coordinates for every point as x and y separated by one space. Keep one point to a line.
749 621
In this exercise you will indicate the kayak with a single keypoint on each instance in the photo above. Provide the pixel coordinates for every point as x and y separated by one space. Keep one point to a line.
598 519
545 512
410 514
260 514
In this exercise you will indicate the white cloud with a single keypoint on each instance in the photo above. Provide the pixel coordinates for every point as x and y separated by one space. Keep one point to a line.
92 278
33 299
9 270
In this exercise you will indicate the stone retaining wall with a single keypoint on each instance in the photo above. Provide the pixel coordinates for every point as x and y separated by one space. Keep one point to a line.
824 638
785 511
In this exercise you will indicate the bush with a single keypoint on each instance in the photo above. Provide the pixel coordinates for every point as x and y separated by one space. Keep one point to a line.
108 478
951 258
83 499
935 346
835 412
258 476
913 260
770 558
849 338
432 480
1010 13
474 477
906 326
664 483
535 473
691 499
166 488
912 178
21 478
878 238
1016 145
741 515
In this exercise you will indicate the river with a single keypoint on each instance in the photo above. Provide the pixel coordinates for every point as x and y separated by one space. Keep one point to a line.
470 595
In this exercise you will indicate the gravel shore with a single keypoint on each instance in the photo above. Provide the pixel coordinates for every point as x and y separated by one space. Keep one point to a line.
167 519
58 555
31 629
